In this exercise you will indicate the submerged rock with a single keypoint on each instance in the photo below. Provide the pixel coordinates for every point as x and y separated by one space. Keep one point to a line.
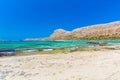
98 43
7 52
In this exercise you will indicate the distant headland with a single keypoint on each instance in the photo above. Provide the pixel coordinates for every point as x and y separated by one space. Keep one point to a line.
94 32
99 31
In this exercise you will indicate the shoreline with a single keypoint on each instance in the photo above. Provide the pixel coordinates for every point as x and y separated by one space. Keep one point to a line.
55 51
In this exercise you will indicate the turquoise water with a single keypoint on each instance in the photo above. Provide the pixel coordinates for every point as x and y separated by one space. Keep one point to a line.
50 44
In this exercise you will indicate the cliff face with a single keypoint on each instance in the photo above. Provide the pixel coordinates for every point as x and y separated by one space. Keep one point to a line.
101 31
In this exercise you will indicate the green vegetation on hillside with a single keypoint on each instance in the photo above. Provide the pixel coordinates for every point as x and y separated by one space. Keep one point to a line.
101 37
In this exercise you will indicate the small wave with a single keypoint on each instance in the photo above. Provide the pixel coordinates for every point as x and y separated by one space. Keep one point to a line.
47 49
29 50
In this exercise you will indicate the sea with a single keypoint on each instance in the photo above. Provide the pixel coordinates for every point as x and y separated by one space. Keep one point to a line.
31 46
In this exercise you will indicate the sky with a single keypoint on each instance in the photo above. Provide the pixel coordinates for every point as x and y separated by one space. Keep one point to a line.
21 19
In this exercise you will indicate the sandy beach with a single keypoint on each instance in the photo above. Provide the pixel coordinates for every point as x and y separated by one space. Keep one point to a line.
81 65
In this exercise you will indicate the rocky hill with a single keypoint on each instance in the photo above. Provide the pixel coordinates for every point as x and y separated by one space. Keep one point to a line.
100 31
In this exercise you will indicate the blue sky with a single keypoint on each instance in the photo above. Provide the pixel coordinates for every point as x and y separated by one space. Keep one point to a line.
20 19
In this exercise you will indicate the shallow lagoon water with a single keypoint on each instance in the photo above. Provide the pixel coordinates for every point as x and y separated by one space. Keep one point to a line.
37 45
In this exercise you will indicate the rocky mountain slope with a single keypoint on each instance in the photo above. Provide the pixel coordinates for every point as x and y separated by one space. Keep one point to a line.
100 31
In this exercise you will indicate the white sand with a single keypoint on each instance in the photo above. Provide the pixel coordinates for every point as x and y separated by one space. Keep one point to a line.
86 65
